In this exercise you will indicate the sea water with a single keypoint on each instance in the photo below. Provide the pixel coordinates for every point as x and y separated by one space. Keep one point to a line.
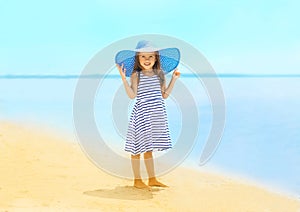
261 139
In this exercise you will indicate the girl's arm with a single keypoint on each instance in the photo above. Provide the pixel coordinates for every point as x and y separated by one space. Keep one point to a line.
132 89
166 91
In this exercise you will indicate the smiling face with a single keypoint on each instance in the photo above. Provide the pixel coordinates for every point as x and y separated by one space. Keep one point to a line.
147 60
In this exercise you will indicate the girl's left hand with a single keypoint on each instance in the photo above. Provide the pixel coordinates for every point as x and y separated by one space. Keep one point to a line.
176 74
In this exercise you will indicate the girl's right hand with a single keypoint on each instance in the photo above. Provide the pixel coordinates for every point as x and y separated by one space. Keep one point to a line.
122 70
176 74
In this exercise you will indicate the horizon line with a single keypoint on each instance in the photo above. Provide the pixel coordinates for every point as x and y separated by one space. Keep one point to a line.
189 75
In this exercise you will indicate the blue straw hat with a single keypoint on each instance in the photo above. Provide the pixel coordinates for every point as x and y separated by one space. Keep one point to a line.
169 57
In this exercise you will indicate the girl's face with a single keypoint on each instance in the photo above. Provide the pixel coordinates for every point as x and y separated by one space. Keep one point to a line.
147 60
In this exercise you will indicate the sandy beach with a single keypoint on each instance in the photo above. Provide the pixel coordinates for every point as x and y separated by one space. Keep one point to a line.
41 171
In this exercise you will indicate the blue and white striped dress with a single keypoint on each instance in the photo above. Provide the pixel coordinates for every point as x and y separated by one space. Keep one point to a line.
148 127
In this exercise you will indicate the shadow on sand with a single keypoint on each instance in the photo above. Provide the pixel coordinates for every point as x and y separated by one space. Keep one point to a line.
123 192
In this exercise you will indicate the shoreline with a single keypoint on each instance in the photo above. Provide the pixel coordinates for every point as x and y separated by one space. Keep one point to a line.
44 171
243 179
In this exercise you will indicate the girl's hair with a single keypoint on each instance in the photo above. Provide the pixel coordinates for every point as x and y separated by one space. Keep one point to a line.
137 68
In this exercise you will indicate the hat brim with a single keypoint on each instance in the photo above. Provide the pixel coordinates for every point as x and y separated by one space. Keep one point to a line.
169 59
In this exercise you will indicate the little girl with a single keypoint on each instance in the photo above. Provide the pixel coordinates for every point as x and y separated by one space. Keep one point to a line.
148 127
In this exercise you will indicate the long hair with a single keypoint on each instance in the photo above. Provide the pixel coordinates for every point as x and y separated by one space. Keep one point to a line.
137 68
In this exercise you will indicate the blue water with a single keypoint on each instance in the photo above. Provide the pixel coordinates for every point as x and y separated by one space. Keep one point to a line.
261 140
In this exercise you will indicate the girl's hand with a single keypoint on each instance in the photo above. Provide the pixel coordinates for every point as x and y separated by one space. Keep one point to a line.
122 70
176 74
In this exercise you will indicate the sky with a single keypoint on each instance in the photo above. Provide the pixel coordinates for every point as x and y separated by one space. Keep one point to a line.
59 37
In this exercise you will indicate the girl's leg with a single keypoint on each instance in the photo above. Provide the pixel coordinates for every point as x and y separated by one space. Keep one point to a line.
135 162
148 158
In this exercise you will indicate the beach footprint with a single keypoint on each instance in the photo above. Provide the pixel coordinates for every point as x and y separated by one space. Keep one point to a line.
123 192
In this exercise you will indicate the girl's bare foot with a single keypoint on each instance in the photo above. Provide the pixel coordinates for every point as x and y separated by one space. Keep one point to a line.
154 182
138 183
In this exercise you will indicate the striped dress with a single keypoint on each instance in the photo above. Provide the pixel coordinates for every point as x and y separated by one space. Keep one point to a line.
148 127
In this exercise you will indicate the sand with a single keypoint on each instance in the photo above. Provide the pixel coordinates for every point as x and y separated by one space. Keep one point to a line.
42 171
